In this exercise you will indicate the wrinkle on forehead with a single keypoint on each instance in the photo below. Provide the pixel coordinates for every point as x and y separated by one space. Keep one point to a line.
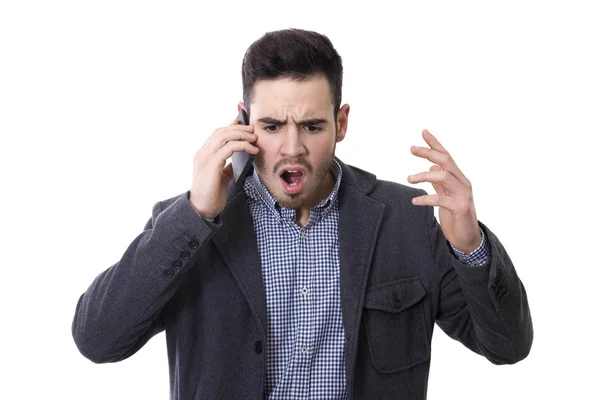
295 113
286 99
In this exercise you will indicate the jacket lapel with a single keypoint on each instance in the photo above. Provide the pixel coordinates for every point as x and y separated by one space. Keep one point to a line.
360 219
236 241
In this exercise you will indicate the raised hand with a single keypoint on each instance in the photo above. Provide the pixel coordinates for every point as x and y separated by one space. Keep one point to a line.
454 195
208 194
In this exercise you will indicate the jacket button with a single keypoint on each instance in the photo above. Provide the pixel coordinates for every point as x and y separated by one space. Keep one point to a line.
193 244
501 292
184 255
176 264
498 286
258 347
169 273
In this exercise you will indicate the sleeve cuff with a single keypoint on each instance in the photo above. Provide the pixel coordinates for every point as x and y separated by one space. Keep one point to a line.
477 257
216 221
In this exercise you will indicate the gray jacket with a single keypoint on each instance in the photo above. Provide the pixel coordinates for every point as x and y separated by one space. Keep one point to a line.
202 284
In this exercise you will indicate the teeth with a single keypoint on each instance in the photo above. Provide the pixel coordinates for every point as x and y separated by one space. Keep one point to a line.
291 172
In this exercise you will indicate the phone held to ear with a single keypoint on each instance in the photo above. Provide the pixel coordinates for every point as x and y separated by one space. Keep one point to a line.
241 160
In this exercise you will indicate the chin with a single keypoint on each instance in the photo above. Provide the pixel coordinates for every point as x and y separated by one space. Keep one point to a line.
293 201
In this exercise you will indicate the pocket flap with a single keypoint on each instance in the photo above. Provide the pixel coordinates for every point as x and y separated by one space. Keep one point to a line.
395 296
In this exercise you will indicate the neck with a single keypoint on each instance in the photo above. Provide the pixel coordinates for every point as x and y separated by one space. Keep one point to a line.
303 213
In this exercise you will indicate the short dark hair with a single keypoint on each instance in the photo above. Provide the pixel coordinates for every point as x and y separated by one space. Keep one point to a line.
292 53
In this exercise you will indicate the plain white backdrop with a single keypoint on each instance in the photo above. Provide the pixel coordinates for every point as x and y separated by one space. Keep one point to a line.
103 105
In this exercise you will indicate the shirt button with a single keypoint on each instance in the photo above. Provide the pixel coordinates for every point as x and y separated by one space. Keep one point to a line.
304 290
303 235
304 350
258 347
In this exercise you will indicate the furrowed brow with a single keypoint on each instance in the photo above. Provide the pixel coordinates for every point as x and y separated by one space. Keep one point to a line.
310 121
313 121
272 121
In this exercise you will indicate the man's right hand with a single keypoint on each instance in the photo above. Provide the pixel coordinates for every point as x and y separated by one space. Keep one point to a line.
208 194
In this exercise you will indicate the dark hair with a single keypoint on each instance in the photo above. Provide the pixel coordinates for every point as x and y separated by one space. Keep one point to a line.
292 53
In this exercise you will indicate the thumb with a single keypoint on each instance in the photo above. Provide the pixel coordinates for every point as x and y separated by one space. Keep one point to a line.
227 173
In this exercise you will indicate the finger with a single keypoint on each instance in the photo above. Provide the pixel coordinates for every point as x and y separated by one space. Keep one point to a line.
235 126
227 173
233 134
450 203
444 160
236 145
433 142
437 187
452 185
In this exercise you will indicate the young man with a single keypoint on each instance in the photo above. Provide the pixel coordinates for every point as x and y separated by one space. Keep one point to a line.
312 279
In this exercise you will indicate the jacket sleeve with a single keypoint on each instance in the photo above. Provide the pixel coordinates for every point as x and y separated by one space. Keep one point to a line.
122 308
484 307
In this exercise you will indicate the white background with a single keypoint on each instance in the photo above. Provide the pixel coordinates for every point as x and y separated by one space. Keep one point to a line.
103 105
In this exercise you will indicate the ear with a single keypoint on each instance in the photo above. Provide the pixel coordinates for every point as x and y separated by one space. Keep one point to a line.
342 122
241 106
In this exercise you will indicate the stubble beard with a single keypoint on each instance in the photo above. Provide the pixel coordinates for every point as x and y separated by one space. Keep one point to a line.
297 200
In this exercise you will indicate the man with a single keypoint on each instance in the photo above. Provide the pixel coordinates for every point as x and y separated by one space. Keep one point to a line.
311 279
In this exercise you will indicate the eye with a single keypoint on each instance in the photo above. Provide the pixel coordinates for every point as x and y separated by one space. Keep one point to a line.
312 128
268 128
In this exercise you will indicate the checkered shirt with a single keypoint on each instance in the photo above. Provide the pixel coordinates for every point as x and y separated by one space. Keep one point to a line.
300 267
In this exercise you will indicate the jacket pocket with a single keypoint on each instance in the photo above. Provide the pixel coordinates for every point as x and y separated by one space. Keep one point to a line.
395 324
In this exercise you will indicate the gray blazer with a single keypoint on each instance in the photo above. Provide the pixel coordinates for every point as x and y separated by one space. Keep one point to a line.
202 284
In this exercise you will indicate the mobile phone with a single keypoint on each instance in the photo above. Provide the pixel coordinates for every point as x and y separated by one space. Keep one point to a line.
241 160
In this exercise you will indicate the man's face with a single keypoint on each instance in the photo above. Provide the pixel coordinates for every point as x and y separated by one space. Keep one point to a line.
296 137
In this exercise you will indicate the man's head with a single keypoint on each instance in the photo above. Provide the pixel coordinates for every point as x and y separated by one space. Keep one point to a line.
292 86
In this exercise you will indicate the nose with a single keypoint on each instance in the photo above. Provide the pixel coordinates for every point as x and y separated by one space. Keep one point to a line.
293 145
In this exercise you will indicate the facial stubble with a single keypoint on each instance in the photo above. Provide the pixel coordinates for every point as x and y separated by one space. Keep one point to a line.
297 200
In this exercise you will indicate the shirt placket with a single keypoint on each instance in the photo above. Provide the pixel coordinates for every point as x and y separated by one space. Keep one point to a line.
291 301
304 346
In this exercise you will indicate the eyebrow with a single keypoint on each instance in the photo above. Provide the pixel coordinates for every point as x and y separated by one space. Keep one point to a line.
310 121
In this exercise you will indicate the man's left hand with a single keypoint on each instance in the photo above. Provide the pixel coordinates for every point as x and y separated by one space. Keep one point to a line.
454 195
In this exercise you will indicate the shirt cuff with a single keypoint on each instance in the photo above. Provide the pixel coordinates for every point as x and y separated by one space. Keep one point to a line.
478 257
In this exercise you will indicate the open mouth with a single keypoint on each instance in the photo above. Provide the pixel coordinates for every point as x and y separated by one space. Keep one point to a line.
293 180
292 177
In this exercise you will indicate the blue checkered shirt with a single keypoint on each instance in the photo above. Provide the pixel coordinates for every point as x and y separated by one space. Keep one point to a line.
300 267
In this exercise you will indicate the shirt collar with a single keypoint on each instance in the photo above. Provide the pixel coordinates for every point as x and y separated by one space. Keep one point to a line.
255 189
